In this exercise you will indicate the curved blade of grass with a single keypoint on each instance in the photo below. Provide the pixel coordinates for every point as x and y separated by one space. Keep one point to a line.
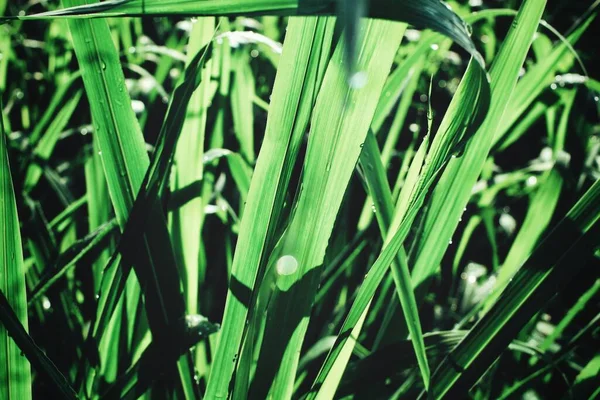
452 194
554 262
573 312
15 372
154 181
541 209
474 87
424 14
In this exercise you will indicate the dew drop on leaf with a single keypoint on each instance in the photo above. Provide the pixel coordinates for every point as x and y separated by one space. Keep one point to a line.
286 265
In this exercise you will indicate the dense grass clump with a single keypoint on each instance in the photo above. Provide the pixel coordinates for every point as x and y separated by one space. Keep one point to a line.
258 199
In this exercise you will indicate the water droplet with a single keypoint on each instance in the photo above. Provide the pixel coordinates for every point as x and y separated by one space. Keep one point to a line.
138 106
46 305
469 29
450 241
97 296
358 80
435 47
286 265
373 208
553 86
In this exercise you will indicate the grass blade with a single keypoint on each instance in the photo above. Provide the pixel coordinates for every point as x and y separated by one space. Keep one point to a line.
548 270
424 14
340 123
450 198
298 77
15 372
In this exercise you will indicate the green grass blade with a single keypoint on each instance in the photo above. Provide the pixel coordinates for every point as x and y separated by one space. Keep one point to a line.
15 372
124 155
86 249
374 173
340 123
45 146
98 205
534 225
420 13
378 366
188 168
242 104
536 80
475 87
549 268
370 284
585 385
573 312
452 194
155 179
297 80
17 377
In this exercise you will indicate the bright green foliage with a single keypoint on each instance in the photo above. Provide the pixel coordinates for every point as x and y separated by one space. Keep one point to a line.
15 372
264 199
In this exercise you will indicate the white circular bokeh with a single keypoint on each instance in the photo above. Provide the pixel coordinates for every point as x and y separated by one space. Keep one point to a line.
286 265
